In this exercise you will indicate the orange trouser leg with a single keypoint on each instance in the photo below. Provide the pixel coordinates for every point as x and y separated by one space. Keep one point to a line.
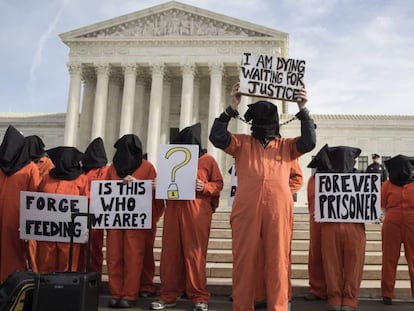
148 272
391 247
63 256
315 267
260 287
172 266
46 256
277 237
96 254
114 251
32 244
408 240
354 248
195 235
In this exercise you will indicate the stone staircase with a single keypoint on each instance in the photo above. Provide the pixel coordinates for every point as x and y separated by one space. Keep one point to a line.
219 259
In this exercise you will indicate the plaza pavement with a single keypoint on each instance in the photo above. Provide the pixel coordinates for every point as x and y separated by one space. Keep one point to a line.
222 303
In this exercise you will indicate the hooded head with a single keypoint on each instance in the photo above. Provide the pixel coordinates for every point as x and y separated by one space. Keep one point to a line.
66 161
265 119
95 155
190 135
321 161
400 169
36 147
339 159
343 158
128 155
13 151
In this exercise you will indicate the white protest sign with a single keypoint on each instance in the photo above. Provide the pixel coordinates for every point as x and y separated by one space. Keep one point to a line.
47 217
120 205
177 172
233 185
347 198
271 76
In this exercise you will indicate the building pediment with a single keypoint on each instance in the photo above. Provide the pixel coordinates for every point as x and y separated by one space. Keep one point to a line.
171 19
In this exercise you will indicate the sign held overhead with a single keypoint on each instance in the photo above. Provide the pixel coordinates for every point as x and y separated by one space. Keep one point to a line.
271 76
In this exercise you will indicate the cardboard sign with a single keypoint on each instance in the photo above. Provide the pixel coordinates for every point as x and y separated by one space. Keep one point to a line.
351 198
177 172
271 76
120 205
47 217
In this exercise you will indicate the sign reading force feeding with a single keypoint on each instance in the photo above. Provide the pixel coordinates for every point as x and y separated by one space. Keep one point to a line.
271 76
347 198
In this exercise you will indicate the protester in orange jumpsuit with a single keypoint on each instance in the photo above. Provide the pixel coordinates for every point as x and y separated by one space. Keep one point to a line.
186 232
295 183
397 201
38 155
126 247
94 167
147 286
343 244
263 204
65 178
17 173
317 283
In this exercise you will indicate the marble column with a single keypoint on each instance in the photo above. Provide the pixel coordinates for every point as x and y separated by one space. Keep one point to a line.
196 100
101 98
216 77
187 95
128 99
85 127
165 123
113 111
72 114
140 116
154 116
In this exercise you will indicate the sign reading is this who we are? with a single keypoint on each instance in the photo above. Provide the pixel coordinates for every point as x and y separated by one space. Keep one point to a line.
271 76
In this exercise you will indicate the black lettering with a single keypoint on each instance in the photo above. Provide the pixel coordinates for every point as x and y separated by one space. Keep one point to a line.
29 200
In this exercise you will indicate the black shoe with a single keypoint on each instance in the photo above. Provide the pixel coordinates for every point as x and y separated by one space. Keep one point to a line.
387 301
260 305
125 303
146 294
312 297
113 303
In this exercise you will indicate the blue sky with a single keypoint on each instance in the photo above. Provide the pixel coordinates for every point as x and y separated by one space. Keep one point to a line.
359 54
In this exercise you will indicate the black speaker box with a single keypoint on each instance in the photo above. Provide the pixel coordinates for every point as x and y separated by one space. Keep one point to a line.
66 291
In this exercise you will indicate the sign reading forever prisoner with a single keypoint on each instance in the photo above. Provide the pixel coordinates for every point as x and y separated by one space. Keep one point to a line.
271 76
347 198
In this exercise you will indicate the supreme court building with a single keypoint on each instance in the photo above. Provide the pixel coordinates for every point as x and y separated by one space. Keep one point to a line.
160 69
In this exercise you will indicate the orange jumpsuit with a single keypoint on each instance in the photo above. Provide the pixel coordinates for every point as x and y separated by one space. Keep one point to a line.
125 248
45 165
185 237
317 282
96 235
295 183
397 229
266 215
54 256
12 248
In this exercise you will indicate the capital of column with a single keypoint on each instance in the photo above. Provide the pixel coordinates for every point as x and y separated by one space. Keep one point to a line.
188 69
157 68
130 68
103 69
216 68
74 68
88 76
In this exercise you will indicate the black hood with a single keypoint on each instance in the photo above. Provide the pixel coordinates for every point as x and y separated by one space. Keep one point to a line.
400 169
264 118
66 161
95 155
128 155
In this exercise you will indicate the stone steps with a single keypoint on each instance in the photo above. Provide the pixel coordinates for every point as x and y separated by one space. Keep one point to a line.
219 258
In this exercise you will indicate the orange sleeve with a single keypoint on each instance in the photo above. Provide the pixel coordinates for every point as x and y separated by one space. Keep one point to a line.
296 177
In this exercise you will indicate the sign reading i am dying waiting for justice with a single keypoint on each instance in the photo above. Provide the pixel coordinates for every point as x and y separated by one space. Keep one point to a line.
347 198
271 76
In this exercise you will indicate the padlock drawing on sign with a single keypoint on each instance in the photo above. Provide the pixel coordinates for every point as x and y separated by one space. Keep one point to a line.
172 191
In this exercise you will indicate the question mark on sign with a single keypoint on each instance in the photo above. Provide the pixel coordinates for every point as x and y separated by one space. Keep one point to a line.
172 191
143 216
